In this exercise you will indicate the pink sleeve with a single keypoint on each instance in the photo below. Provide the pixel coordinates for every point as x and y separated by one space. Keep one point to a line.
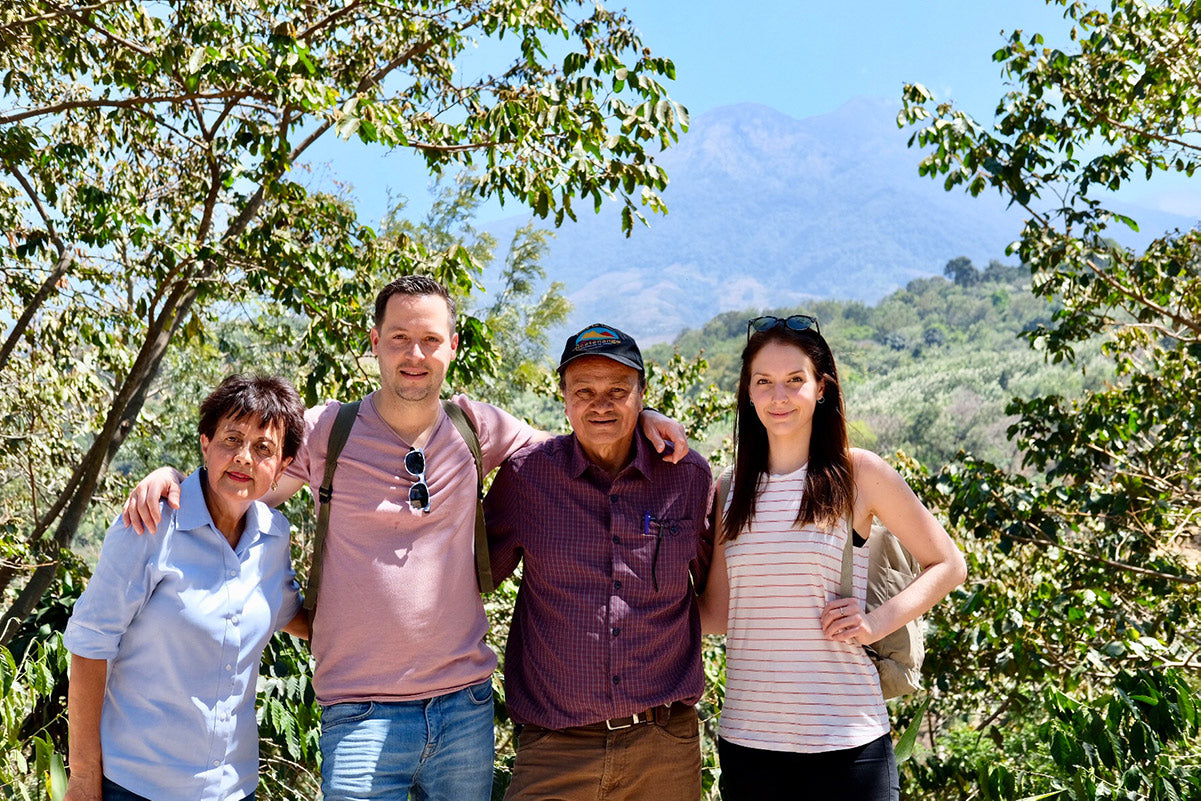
501 434
317 422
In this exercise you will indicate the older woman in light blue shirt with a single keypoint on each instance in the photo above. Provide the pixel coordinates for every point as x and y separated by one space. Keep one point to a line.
167 638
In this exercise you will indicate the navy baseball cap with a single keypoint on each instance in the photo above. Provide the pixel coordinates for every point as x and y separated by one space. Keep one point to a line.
599 339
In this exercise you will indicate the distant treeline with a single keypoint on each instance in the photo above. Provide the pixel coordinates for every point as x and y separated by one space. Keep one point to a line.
930 368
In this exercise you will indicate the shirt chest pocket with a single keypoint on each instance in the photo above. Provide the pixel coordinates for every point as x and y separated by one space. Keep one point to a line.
670 527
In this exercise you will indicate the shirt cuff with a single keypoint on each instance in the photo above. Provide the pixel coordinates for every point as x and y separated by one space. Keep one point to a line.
88 643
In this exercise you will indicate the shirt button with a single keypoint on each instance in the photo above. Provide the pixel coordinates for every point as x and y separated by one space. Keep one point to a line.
616 538
216 763
229 667
616 631
612 499
617 679
234 620
233 574
617 584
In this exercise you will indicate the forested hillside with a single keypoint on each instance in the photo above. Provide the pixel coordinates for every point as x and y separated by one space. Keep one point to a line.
930 369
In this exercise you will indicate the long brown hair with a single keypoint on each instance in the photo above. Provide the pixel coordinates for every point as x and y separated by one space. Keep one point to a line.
829 484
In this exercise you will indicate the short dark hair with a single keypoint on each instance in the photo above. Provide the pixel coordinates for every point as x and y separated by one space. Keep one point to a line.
273 400
415 285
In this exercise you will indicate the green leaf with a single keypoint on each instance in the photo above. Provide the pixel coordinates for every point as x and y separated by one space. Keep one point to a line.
196 60
8 671
908 739
58 778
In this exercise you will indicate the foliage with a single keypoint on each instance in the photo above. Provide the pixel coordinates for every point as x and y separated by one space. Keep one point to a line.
33 681
1080 620
289 722
153 221
146 192
962 271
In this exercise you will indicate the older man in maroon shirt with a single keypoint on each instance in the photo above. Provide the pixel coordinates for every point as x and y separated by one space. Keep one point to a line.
603 662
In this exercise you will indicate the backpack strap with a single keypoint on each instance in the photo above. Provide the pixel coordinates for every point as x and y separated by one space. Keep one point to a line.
463 424
338 435
847 581
724 480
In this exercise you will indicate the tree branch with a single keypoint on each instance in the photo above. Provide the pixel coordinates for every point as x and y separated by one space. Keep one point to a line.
452 148
66 258
34 199
1141 299
1143 132
316 26
20 23
80 16
77 494
128 103
1142 571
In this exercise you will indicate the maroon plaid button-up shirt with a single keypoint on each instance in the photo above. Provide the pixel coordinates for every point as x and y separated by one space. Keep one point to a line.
606 623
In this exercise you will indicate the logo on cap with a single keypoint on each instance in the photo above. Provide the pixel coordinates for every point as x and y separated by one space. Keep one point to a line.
594 336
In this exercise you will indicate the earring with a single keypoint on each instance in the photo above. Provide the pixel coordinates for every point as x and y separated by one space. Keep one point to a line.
752 403
821 400
274 486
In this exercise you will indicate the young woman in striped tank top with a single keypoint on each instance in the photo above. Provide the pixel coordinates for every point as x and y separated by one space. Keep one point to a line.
803 715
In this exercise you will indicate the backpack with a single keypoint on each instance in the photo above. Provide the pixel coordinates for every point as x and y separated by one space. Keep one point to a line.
338 435
890 569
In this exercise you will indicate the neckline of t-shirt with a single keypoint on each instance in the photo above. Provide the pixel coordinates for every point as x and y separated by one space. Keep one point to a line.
800 471
442 418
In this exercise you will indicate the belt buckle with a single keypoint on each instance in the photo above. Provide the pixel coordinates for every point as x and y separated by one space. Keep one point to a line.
635 719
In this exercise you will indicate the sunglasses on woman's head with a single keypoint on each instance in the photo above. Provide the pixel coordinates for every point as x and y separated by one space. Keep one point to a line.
419 493
796 322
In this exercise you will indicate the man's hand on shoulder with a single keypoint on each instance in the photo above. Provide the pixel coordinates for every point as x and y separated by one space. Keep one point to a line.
665 434
142 510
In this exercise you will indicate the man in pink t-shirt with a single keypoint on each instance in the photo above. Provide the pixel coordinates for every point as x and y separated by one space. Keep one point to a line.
403 674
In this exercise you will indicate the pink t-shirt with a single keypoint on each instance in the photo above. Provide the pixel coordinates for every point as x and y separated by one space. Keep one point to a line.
400 616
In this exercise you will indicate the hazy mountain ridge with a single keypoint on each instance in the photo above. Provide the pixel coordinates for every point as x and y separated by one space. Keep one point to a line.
768 210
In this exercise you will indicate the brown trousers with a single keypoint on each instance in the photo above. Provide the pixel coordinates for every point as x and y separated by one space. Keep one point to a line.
646 762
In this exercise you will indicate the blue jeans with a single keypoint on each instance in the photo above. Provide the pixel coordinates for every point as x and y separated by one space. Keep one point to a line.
437 749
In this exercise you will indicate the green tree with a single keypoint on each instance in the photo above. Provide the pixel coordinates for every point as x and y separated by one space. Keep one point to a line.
1073 647
147 194
961 270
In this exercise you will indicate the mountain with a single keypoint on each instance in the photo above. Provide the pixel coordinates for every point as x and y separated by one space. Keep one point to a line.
769 211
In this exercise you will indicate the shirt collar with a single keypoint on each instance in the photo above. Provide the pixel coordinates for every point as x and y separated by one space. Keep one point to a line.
194 511
643 453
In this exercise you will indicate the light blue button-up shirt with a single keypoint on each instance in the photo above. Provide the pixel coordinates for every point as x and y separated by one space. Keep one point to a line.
182 619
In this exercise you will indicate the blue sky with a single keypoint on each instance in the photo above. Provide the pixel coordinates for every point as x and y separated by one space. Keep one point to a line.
807 58
800 57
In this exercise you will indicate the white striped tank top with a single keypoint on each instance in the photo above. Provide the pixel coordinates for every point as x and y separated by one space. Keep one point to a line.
788 687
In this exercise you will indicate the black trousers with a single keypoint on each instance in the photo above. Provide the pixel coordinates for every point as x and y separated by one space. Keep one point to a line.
865 773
